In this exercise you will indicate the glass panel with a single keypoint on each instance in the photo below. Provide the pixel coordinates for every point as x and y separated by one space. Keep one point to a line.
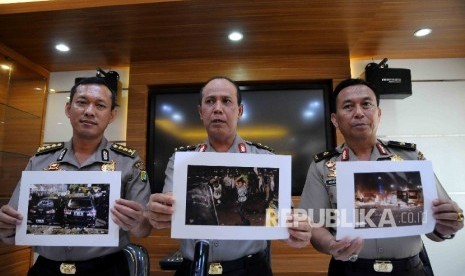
22 94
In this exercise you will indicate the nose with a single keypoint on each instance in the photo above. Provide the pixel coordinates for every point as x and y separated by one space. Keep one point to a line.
359 111
89 111
218 107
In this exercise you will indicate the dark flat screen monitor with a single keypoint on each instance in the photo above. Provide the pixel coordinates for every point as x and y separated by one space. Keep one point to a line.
291 118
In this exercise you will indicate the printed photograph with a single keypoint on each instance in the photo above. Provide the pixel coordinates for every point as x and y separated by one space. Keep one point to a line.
60 209
231 196
68 208
388 199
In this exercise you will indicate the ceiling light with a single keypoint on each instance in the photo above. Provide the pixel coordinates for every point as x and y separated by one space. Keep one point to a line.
5 67
422 32
62 47
235 36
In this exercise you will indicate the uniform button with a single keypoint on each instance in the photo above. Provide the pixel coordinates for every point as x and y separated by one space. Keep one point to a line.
380 250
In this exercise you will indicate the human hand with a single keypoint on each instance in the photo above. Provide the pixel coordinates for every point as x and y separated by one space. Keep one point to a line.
448 215
9 218
300 231
346 249
159 210
127 214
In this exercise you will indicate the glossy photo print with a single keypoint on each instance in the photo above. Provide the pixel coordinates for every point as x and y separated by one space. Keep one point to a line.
230 195
68 208
384 199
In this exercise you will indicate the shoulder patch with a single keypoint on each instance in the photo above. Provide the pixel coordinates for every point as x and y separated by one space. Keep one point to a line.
123 150
186 148
49 148
402 145
260 146
324 155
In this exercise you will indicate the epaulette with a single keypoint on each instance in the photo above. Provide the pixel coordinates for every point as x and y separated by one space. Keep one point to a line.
402 145
260 146
49 148
324 155
186 148
123 150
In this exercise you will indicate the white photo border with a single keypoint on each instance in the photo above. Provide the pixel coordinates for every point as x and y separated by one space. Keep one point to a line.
346 197
180 230
29 178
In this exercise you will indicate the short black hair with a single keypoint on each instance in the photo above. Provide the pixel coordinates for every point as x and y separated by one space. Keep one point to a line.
238 90
94 80
351 82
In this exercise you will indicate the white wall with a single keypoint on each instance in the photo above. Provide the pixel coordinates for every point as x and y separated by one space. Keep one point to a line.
57 127
433 118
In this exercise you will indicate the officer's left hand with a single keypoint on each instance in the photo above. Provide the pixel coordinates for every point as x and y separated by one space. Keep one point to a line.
300 230
448 215
127 214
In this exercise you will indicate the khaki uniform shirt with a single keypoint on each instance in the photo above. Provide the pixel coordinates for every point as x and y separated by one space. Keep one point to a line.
320 193
134 186
220 250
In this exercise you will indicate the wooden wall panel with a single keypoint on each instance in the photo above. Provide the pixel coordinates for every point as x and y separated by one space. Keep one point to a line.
14 260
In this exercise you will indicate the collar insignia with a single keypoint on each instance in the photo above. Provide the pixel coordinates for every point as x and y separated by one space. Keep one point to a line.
203 147
242 148
109 167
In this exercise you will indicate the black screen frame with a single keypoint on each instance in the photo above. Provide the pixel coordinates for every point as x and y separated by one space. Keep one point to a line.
325 85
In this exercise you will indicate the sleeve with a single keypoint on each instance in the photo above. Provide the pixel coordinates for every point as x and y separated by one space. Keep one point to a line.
168 187
137 186
440 189
314 195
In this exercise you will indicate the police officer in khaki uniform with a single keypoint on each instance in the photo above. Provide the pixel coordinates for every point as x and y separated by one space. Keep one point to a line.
356 114
91 109
220 109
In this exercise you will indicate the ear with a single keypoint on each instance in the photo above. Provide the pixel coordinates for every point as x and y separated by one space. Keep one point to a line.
334 120
113 115
200 112
67 107
241 111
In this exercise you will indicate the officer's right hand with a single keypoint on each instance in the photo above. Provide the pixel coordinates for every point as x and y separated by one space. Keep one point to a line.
159 210
9 218
343 249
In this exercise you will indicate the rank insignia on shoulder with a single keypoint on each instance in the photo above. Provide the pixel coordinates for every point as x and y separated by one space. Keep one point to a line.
123 150
49 148
402 145
324 155
186 148
260 146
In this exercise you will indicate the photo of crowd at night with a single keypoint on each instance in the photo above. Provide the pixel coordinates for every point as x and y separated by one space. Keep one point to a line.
388 199
63 209
232 196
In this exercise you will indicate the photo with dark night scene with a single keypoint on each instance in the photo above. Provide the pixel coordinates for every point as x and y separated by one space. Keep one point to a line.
68 209
230 196
388 199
